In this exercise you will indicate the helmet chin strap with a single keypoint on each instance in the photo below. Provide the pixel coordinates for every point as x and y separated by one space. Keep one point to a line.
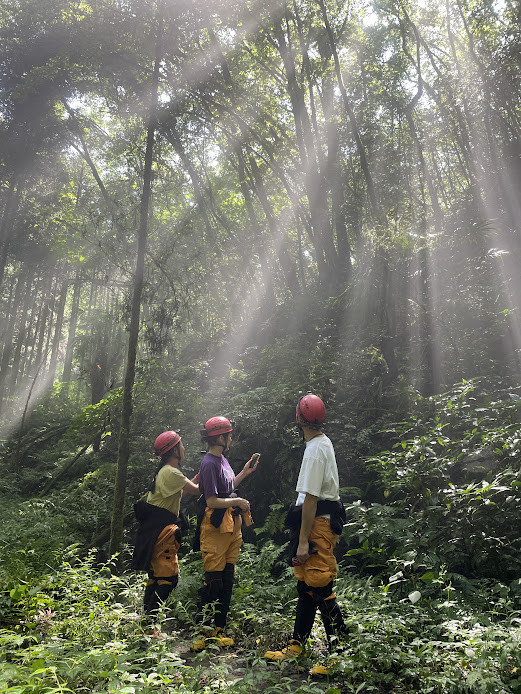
224 446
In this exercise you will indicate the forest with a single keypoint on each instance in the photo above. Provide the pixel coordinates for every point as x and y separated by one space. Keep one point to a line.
214 208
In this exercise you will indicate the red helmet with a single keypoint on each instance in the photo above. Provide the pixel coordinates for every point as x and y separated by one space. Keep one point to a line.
166 441
311 411
217 426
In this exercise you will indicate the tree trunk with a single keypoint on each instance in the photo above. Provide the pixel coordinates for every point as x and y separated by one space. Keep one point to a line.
7 352
23 327
11 205
42 328
288 266
311 176
58 324
371 191
73 324
98 373
116 531
267 274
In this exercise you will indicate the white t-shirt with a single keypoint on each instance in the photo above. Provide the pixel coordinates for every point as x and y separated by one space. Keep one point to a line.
318 472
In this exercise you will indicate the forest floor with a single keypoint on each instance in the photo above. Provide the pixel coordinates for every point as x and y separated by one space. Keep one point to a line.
233 665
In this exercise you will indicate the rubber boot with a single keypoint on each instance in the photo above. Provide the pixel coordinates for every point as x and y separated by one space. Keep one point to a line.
333 621
292 650
335 629
214 636
217 589
304 618
209 593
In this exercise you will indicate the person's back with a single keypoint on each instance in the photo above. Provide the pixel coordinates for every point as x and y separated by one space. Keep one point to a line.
318 472
159 535
315 522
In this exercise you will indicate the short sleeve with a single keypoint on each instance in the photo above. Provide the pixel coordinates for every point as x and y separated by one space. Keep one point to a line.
208 481
170 481
311 474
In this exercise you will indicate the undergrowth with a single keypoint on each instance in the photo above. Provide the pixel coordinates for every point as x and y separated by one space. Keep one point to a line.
78 629
429 581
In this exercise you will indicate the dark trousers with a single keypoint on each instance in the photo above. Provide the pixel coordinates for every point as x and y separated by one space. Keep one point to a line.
156 593
309 600
217 591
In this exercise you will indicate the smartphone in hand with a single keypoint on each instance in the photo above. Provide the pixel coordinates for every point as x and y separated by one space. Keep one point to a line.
254 459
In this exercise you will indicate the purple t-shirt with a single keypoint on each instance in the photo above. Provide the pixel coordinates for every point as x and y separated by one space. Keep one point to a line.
216 477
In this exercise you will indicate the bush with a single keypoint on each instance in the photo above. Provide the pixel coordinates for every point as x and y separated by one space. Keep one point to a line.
448 490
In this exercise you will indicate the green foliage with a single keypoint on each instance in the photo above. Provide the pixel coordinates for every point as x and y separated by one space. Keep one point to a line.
262 283
94 419
78 628
447 493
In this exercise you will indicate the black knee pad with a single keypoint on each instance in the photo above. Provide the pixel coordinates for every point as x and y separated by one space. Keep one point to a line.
302 589
163 590
228 575
213 585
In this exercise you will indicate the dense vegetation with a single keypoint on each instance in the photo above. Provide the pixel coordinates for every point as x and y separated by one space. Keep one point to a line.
429 583
211 208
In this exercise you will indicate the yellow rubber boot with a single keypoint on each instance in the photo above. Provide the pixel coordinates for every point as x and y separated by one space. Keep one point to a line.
323 670
220 639
215 636
198 645
292 650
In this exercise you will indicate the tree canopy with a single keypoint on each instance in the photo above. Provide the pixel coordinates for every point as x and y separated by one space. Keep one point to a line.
213 207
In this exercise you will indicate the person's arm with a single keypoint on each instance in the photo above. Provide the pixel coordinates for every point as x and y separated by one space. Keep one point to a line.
309 510
191 488
216 502
245 472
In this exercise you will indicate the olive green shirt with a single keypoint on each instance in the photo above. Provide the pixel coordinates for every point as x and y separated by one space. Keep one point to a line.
169 486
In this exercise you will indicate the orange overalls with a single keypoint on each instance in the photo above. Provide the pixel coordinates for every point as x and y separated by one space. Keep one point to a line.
220 546
220 550
315 585
163 574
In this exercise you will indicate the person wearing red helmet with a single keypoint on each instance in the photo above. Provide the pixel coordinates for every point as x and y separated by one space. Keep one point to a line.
219 525
159 534
315 522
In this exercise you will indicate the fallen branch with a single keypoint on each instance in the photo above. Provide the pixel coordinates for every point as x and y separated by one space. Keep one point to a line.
67 466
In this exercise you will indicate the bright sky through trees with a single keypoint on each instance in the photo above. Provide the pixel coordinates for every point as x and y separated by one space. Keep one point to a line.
362 156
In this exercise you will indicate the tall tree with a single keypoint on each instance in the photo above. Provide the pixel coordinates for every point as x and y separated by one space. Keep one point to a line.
116 534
